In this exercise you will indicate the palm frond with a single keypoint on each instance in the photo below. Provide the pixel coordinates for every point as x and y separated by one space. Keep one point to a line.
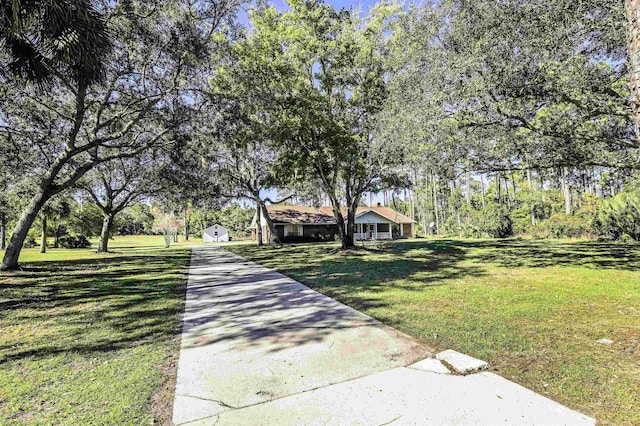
46 37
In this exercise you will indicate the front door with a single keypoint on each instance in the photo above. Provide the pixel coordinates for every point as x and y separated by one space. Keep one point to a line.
371 229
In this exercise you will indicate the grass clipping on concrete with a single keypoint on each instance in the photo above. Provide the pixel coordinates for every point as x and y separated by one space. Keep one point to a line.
89 338
533 309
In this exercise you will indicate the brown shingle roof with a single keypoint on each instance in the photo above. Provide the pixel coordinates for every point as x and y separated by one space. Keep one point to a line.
301 215
324 215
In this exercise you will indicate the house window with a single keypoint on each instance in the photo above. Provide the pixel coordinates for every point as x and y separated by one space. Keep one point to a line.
383 227
293 230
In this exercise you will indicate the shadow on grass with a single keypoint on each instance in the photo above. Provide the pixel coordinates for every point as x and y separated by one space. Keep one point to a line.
112 303
91 305
368 269
548 253
355 277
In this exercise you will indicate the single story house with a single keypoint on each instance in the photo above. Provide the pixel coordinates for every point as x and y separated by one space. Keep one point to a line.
215 233
303 223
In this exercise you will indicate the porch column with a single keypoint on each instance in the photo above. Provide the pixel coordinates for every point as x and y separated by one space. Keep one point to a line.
401 229
413 232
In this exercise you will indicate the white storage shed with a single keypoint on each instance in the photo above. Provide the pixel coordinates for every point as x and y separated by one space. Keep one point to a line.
215 233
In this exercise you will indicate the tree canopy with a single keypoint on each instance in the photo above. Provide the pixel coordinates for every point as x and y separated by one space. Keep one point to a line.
462 113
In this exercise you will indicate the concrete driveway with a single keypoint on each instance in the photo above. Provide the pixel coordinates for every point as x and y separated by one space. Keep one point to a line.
261 348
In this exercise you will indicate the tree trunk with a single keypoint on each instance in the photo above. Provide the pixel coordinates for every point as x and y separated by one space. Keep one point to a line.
506 188
10 260
482 189
467 176
530 186
107 224
589 181
205 221
413 204
541 180
632 11
258 224
413 195
168 236
56 237
3 231
342 228
351 226
272 229
566 190
435 205
186 225
43 242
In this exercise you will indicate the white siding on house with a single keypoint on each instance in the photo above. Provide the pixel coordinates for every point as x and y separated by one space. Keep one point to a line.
371 217
368 226
263 221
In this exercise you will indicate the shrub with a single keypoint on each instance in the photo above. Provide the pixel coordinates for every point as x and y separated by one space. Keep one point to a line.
521 218
620 216
563 225
496 222
315 237
74 242
626 238
491 222
539 230
29 242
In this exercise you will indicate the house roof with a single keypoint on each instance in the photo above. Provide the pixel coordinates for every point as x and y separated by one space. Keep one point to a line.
297 215
387 212
216 226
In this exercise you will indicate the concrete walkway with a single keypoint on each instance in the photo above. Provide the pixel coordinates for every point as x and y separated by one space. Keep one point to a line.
261 348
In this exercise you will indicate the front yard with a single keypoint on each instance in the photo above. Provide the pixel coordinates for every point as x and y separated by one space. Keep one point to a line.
533 309
92 339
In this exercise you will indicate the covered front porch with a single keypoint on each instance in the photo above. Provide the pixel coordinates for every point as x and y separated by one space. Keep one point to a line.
373 231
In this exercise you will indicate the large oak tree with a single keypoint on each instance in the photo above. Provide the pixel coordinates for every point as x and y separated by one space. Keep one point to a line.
148 90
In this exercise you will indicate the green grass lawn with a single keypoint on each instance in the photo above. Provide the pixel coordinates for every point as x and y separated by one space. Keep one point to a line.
533 309
92 339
